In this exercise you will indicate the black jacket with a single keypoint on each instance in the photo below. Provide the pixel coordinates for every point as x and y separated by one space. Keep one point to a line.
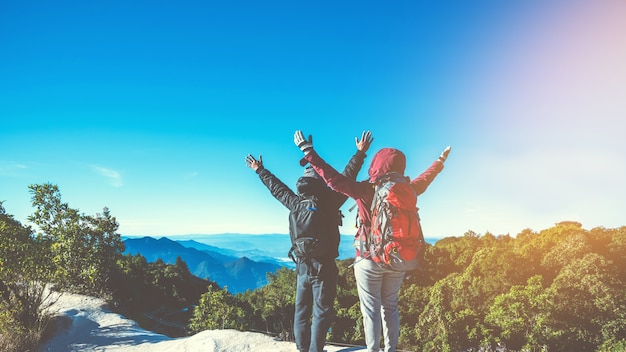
328 200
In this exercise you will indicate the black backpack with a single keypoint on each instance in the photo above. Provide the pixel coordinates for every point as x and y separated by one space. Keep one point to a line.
308 228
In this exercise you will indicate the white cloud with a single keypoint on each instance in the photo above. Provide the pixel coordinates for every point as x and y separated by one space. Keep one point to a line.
114 177
11 169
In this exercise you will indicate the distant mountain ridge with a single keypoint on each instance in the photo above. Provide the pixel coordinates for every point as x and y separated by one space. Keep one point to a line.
238 274
264 246
255 247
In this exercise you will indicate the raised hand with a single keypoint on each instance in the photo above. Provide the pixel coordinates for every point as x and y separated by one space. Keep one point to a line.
444 154
254 164
305 145
365 142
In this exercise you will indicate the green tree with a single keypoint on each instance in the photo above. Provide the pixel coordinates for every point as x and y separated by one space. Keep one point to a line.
348 324
412 300
437 265
218 309
159 296
520 316
279 300
461 249
616 250
572 245
459 302
493 271
435 328
548 251
24 270
272 306
588 305
527 246
84 248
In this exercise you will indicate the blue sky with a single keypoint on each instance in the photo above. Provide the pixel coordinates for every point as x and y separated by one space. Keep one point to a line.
149 107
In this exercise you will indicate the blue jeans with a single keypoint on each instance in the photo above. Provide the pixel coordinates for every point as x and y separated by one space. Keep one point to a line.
315 293
378 295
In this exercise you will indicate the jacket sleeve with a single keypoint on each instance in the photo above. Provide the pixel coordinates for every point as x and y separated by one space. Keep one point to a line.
421 182
338 182
279 190
354 165
350 171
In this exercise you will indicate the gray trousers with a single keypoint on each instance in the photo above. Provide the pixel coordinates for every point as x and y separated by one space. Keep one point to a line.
378 295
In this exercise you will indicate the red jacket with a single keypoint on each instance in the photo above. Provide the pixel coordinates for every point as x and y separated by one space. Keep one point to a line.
384 161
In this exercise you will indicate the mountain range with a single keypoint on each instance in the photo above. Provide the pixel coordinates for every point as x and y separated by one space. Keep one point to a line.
236 273
239 262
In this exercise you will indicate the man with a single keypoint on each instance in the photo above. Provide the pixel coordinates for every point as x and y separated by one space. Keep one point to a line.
316 269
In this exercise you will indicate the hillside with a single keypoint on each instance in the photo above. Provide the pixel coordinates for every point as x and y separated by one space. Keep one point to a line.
238 274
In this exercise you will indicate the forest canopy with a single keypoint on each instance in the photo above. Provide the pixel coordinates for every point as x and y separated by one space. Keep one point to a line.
559 289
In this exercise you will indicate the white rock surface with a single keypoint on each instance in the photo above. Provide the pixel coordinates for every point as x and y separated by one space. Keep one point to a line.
87 325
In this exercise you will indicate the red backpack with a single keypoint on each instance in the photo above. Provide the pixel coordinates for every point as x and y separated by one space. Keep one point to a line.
395 239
